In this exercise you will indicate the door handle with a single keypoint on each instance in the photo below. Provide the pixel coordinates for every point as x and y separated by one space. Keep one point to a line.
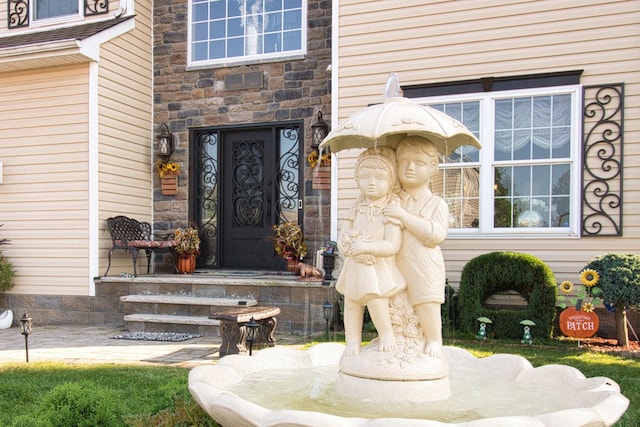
299 204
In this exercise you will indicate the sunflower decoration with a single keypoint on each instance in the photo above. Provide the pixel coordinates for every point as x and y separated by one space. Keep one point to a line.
169 168
566 287
588 307
584 297
589 278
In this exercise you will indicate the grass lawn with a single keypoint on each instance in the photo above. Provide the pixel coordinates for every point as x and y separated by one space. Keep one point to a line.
52 394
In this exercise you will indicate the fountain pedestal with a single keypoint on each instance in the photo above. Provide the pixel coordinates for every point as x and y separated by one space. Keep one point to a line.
407 375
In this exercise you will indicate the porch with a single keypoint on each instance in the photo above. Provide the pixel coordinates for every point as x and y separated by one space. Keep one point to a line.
192 299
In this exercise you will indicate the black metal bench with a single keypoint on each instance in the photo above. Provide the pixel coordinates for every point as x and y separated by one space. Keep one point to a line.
133 235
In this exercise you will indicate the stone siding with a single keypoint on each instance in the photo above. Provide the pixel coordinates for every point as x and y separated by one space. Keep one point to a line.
290 90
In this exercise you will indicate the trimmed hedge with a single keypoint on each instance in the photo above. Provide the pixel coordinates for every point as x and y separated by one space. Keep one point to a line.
496 272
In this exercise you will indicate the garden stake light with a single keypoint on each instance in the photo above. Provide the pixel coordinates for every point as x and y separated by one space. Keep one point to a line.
252 329
327 314
25 329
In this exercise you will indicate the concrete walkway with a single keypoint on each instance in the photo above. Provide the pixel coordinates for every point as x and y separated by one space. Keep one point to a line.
94 344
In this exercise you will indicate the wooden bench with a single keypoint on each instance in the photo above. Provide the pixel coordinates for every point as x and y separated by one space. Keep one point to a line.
234 332
132 235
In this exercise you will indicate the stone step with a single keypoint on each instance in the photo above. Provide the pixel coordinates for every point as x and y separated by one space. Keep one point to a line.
188 300
172 319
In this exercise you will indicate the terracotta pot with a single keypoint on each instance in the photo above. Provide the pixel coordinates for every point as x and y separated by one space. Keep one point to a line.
186 264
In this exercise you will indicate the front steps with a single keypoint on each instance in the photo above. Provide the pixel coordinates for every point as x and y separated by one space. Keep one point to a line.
176 313
198 295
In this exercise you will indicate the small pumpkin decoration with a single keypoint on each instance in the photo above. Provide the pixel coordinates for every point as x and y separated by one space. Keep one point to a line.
579 323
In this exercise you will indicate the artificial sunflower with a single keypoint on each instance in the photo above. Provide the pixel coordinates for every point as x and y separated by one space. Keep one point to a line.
313 159
587 307
170 168
566 287
589 278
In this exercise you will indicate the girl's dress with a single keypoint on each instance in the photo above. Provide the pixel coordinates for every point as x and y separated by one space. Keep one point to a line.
366 276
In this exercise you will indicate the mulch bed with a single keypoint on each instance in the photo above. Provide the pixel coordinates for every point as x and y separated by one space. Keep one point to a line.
605 345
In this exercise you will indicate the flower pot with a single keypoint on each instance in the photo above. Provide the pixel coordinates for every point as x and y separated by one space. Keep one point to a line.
186 264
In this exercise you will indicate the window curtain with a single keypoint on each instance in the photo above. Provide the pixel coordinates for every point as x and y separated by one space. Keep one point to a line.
544 121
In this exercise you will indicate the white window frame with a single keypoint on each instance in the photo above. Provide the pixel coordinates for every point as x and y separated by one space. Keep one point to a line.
247 59
487 164
33 22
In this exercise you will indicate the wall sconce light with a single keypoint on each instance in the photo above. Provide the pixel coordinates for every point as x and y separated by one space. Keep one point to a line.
165 142
327 314
25 329
252 330
319 129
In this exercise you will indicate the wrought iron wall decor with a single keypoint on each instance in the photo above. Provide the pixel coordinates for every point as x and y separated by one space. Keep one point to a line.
603 133
18 11
96 7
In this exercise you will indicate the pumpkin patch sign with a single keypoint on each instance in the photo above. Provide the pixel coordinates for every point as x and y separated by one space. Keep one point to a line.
578 323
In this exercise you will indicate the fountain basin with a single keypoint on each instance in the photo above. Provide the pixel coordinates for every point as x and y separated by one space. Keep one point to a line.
573 399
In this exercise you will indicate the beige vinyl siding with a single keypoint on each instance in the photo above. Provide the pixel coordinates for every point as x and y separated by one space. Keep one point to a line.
446 41
125 135
44 197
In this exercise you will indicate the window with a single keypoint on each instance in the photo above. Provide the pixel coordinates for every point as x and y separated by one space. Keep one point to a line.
243 31
525 178
50 9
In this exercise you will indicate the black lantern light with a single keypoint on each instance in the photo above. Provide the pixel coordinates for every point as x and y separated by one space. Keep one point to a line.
319 129
25 329
165 142
252 330
327 314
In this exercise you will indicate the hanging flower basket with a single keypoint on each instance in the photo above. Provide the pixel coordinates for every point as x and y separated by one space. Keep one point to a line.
168 173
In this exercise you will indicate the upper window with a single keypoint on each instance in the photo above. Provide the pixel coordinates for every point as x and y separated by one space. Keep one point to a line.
525 178
223 32
24 13
54 9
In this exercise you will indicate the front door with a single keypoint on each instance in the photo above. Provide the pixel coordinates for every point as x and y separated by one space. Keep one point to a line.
247 180
248 211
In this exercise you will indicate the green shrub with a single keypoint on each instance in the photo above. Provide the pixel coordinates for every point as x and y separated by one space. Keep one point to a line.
7 273
497 272
449 310
619 278
81 404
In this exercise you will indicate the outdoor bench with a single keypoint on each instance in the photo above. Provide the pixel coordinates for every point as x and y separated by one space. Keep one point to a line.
234 332
133 235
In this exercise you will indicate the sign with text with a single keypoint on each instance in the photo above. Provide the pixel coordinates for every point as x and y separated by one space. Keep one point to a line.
578 323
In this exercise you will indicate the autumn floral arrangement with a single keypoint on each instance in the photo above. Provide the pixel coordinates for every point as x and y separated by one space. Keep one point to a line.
168 168
188 241
585 297
288 240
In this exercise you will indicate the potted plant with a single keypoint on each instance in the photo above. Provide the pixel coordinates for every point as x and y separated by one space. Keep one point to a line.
7 273
187 247
288 242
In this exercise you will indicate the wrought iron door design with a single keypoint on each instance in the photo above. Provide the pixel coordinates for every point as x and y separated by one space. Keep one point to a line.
244 181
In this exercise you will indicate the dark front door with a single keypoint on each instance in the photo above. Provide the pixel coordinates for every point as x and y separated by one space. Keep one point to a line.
245 180
248 211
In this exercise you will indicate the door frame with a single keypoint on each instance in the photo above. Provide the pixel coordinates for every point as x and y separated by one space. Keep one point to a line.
193 180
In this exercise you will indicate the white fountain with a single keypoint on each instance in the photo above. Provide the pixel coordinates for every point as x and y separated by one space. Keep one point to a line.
393 265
